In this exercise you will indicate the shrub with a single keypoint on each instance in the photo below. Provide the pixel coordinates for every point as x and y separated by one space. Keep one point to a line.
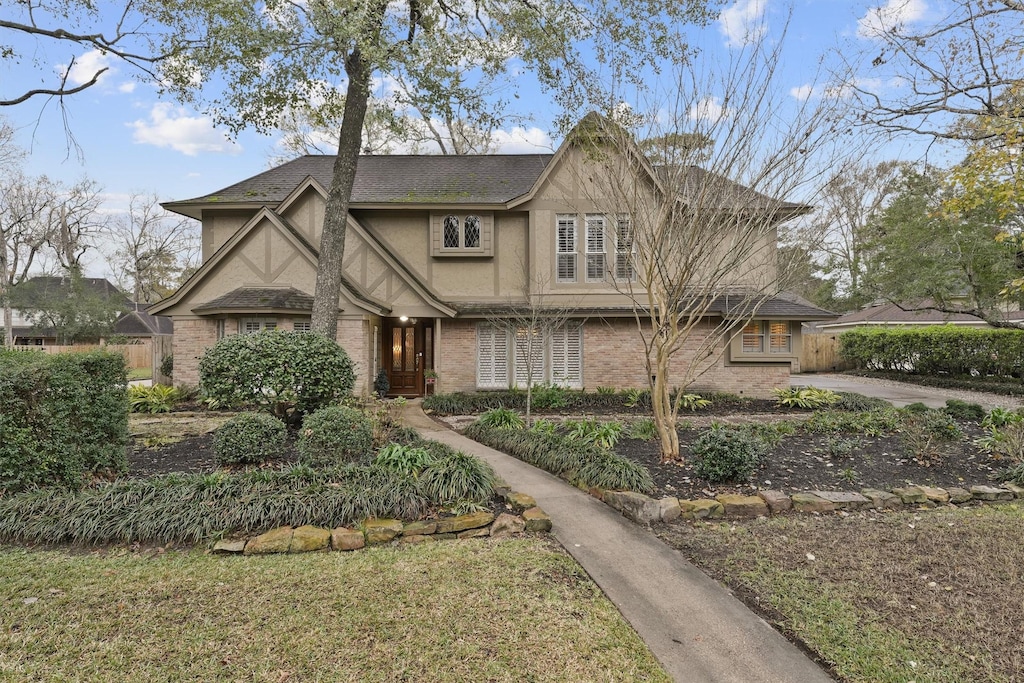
962 410
335 435
924 433
859 403
869 423
606 391
807 397
724 454
1000 417
1006 441
637 398
249 439
939 349
62 417
192 508
167 365
501 418
158 398
916 408
279 371
604 434
543 426
693 402
544 397
613 472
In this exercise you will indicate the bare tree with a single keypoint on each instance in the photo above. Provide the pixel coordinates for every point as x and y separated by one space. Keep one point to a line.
536 324
75 223
25 205
696 244
920 80
152 248
843 231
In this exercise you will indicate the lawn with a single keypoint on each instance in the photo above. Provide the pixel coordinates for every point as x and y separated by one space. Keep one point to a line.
884 597
510 610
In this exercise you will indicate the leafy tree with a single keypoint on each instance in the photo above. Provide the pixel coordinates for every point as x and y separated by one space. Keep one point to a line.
279 54
76 311
153 249
931 257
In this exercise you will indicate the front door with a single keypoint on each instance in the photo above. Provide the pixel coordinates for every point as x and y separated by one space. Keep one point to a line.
406 346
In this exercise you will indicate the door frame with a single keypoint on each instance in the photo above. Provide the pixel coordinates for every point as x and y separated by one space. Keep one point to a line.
419 326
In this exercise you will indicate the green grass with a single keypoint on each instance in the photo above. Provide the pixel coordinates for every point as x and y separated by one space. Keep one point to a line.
882 597
512 610
140 373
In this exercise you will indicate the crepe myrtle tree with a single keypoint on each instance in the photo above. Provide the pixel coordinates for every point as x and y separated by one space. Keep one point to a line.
694 237
247 63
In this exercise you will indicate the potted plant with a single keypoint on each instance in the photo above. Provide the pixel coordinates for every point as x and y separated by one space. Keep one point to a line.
430 377
381 384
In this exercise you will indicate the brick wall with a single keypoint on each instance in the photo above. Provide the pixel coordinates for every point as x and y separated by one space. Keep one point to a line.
613 357
191 339
354 337
456 350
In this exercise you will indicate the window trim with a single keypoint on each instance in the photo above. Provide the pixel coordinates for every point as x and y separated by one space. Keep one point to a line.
566 220
738 351
485 238
595 227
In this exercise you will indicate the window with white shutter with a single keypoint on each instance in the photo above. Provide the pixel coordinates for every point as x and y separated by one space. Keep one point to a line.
567 356
491 357
566 249
625 250
595 248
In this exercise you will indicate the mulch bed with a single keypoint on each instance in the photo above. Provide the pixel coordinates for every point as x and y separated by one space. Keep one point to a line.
808 462
193 454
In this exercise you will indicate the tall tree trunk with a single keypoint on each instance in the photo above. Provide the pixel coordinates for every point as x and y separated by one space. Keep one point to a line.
8 319
661 403
332 241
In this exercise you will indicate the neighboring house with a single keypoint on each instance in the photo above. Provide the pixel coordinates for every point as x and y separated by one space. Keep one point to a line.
47 288
437 248
137 323
886 314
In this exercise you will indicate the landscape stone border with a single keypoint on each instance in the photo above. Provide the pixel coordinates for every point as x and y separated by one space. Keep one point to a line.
524 516
646 510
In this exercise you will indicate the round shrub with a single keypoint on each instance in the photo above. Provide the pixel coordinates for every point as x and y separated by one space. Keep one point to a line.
334 435
248 439
458 477
724 455
279 371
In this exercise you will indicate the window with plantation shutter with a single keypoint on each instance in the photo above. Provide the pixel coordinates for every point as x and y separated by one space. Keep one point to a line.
595 248
625 250
529 357
567 356
566 249
491 357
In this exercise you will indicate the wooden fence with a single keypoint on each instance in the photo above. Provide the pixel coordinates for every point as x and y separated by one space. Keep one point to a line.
137 356
821 354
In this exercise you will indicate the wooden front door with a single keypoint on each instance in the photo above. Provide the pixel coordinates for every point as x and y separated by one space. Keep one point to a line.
406 348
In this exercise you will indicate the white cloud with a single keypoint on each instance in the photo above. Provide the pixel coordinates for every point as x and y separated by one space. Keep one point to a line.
86 66
127 87
743 22
521 140
170 126
803 92
708 109
884 18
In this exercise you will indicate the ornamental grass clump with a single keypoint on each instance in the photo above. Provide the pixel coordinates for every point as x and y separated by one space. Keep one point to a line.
501 418
335 436
249 439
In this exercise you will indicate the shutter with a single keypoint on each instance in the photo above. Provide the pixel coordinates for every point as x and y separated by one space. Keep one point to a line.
567 356
529 345
565 247
491 358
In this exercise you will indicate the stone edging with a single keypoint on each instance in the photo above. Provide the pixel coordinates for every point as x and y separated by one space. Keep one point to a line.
528 517
645 510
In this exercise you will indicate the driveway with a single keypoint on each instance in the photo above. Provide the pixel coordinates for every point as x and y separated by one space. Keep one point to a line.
899 393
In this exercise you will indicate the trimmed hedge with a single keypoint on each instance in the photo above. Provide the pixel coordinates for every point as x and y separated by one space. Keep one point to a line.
582 463
249 439
471 403
280 371
64 417
190 508
335 435
937 349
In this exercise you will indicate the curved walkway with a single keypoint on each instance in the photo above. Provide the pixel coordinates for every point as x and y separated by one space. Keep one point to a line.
901 393
695 627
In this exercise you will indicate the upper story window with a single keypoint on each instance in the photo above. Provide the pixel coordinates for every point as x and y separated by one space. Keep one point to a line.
566 248
607 247
469 234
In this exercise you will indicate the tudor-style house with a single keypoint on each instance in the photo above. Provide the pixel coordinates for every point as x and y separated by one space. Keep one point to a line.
436 248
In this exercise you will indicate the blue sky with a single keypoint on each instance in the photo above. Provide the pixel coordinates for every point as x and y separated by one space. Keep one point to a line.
130 140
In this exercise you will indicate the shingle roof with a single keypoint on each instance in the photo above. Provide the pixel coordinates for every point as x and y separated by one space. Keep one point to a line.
890 313
259 298
437 179
41 286
137 322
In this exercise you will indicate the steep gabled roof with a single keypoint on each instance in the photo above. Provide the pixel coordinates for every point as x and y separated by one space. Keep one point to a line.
391 179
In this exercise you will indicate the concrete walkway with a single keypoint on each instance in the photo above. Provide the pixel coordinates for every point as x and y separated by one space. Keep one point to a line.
899 393
695 628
